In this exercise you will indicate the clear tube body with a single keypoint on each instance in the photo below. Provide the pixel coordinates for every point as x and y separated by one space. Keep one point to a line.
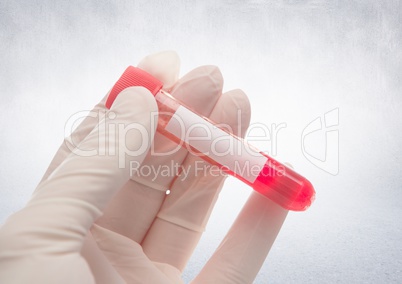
272 179
276 181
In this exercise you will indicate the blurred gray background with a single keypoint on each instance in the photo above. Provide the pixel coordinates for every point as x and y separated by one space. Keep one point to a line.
297 60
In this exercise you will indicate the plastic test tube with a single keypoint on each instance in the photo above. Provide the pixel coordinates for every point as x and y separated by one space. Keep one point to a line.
272 179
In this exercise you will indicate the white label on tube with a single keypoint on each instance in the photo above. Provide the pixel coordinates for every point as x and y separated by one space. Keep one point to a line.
215 143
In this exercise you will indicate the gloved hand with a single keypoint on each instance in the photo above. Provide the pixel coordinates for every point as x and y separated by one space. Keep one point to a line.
93 221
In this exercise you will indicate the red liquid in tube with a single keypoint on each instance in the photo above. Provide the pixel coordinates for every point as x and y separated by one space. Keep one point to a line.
264 174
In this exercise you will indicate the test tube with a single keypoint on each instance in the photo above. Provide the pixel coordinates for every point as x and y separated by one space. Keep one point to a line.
264 174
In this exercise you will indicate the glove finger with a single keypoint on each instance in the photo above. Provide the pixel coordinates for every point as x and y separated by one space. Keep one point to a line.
199 89
185 212
129 260
242 252
132 210
163 65
64 207
77 136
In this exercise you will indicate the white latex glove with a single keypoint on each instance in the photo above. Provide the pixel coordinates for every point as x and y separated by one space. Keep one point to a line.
89 221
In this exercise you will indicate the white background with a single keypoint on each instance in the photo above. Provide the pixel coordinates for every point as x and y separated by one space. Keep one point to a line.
295 59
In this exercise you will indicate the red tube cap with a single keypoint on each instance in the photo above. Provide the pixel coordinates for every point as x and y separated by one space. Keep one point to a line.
133 77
